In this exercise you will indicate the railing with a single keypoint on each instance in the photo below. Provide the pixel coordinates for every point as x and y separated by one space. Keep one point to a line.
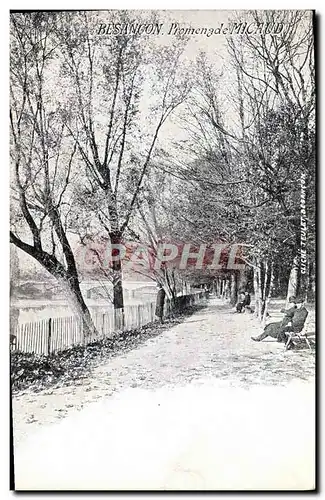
55 334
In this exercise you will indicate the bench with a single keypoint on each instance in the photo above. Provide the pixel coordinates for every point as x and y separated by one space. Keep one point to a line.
303 336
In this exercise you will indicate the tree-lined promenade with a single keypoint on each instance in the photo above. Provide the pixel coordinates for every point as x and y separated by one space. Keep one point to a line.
198 406
92 160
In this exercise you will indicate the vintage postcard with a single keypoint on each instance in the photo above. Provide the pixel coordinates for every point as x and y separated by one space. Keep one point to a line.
163 250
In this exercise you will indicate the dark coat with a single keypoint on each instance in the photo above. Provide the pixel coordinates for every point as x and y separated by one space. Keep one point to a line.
160 303
247 300
298 318
288 315
273 329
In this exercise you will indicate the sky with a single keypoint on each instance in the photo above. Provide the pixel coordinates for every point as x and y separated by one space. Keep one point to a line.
214 46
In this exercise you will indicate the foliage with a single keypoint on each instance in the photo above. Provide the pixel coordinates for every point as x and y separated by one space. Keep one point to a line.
247 146
89 160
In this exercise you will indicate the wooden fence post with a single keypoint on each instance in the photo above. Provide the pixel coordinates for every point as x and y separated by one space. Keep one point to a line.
115 320
139 316
49 337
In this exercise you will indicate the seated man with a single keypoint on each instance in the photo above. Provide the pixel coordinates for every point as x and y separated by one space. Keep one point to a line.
245 300
297 322
276 330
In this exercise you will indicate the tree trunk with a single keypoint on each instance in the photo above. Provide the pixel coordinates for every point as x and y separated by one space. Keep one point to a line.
160 304
293 279
268 292
216 287
118 300
14 317
255 285
67 277
265 287
243 279
233 288
79 306
258 289
14 282
311 286
70 275
226 289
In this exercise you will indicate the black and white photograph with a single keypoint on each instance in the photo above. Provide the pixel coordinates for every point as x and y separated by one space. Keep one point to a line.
163 244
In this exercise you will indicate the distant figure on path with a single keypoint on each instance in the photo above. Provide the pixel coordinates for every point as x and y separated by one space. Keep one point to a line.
276 330
239 304
247 302
160 302
243 302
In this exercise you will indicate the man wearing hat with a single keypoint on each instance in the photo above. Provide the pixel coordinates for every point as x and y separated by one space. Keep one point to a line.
298 320
276 330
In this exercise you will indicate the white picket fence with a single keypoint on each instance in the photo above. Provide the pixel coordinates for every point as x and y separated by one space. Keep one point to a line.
55 334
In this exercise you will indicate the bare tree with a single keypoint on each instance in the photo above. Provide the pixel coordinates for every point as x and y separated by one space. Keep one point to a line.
278 71
257 159
153 232
115 137
42 158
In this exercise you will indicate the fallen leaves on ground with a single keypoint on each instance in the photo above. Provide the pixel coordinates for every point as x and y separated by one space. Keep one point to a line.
37 372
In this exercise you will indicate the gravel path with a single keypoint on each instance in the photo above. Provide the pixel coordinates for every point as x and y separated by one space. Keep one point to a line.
200 406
